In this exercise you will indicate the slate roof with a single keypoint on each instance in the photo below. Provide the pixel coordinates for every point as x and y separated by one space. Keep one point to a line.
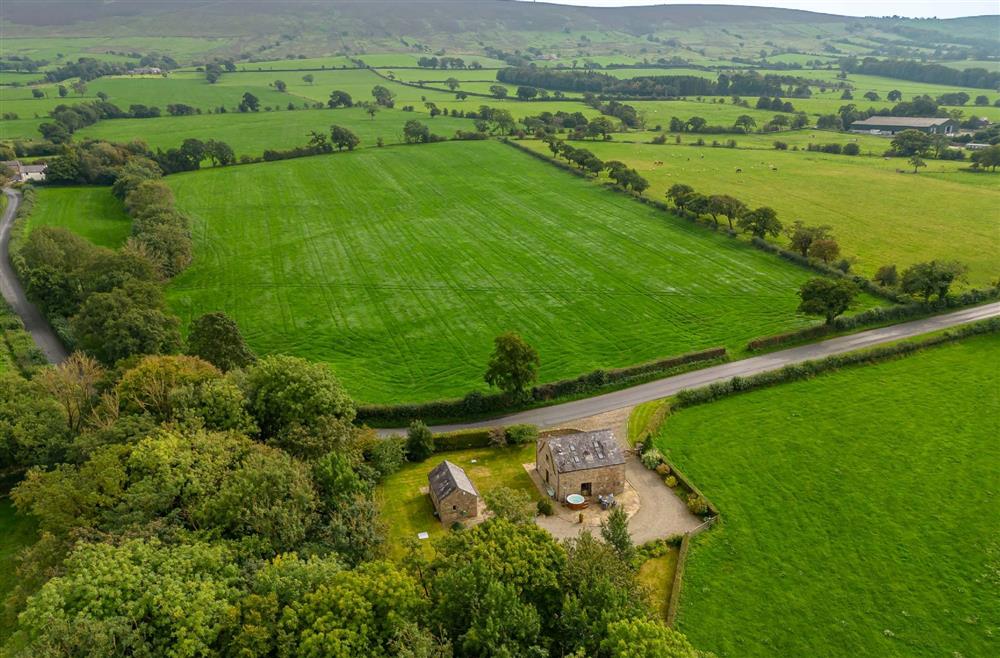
912 122
446 478
586 450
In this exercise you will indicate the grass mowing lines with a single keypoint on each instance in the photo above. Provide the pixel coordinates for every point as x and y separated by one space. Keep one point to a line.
399 266
859 511
89 211
878 215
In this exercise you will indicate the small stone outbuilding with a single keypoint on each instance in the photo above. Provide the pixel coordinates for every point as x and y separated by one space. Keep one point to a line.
454 496
587 463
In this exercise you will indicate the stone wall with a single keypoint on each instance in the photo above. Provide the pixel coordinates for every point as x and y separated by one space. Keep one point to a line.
458 506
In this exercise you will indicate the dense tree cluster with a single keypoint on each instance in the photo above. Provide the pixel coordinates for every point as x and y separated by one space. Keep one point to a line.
441 62
85 68
940 74
761 222
664 86
183 510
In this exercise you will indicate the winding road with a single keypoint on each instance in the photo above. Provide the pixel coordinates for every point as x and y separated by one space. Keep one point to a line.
561 414
10 288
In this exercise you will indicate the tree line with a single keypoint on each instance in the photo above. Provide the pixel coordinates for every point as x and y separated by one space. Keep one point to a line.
940 74
665 86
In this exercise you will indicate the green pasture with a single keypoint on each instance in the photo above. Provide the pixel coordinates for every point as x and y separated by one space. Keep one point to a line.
873 145
92 212
860 511
399 267
878 215
72 47
252 133
407 508
717 114
438 76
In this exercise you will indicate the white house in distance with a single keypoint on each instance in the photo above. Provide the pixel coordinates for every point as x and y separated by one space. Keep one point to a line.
26 172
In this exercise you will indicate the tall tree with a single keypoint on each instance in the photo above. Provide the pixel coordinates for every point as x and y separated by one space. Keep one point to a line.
216 338
513 367
827 298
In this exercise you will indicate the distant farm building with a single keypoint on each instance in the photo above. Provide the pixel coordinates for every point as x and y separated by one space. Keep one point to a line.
893 125
586 463
146 70
454 496
22 173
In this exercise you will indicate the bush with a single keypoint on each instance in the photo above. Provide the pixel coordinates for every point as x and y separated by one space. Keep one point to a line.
697 505
419 442
670 481
521 434
462 440
498 437
652 458
545 507
663 470
852 149
781 146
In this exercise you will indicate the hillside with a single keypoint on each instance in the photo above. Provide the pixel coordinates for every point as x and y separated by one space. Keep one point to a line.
278 28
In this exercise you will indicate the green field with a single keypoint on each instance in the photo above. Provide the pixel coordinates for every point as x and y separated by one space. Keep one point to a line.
89 211
252 133
400 266
878 215
860 511
407 510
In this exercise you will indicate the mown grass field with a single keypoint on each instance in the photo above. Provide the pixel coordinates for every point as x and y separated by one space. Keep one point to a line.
407 510
252 133
92 212
860 511
400 266
878 215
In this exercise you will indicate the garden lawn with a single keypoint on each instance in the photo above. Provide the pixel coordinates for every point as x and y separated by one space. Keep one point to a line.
861 511
657 575
878 216
407 510
399 266
92 212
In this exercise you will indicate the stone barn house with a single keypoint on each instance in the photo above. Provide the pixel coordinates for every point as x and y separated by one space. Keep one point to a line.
454 496
587 463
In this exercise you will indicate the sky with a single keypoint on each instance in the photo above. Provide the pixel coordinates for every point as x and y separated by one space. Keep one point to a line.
911 8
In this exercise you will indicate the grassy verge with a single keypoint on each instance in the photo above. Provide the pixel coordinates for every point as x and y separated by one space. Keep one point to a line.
657 576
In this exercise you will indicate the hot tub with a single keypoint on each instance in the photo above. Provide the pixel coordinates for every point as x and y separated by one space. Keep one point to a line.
576 501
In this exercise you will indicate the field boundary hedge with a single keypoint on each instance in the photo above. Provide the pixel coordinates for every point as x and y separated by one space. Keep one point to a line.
18 343
809 369
476 402
876 316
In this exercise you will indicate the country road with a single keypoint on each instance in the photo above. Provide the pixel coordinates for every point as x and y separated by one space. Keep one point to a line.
10 288
563 413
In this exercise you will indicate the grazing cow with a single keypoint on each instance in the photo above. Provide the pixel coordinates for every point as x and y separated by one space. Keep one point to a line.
739 171
773 168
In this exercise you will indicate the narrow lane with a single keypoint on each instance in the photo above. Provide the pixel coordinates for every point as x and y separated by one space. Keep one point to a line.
13 292
661 388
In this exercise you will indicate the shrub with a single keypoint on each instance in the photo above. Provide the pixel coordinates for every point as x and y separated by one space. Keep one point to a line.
670 481
545 507
851 149
419 442
697 505
652 458
462 440
781 146
663 470
520 434
498 437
